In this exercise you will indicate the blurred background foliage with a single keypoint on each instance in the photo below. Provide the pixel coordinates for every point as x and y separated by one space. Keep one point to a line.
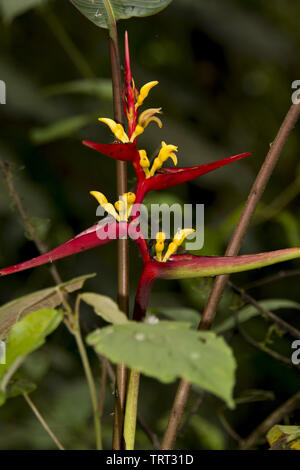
225 70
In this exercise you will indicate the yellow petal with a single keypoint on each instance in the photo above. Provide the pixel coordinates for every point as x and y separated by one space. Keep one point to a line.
105 204
144 92
166 151
182 234
160 245
177 241
145 118
172 248
99 197
144 162
117 129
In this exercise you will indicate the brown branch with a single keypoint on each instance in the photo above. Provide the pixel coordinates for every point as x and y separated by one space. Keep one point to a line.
281 323
7 172
274 418
227 426
123 260
232 250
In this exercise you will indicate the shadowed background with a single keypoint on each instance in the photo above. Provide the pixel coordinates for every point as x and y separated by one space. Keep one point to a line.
225 70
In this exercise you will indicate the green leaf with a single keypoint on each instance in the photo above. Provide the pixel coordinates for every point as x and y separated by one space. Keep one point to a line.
95 87
249 312
187 315
95 10
11 312
61 129
284 437
29 334
105 307
12 8
19 386
168 350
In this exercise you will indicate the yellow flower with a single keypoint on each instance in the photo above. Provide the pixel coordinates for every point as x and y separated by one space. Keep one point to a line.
145 118
160 245
167 151
173 246
117 129
144 162
105 204
123 205
144 92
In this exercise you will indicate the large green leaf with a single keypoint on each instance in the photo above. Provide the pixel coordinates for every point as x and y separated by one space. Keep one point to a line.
12 8
11 312
168 350
29 334
105 307
249 312
95 10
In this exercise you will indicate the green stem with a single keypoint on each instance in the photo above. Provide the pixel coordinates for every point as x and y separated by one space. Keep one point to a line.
131 409
66 42
91 383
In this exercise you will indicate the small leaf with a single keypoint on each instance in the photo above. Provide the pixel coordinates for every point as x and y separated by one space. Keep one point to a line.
29 334
284 437
95 10
46 298
95 87
188 315
19 386
249 312
61 129
105 307
168 350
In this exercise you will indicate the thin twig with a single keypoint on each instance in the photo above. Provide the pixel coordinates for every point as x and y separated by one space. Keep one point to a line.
228 428
274 418
149 433
42 248
104 362
283 274
281 323
284 360
232 250
42 421
192 413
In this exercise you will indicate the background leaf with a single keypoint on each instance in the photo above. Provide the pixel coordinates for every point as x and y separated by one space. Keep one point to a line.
249 312
46 298
12 8
168 350
105 307
29 334
95 10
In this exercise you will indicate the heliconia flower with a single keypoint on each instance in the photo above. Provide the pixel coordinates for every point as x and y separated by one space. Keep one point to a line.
190 266
144 92
123 205
164 177
166 151
173 246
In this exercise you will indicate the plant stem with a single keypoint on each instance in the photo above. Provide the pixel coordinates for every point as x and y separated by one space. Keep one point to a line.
123 276
42 421
90 381
232 250
66 42
131 409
